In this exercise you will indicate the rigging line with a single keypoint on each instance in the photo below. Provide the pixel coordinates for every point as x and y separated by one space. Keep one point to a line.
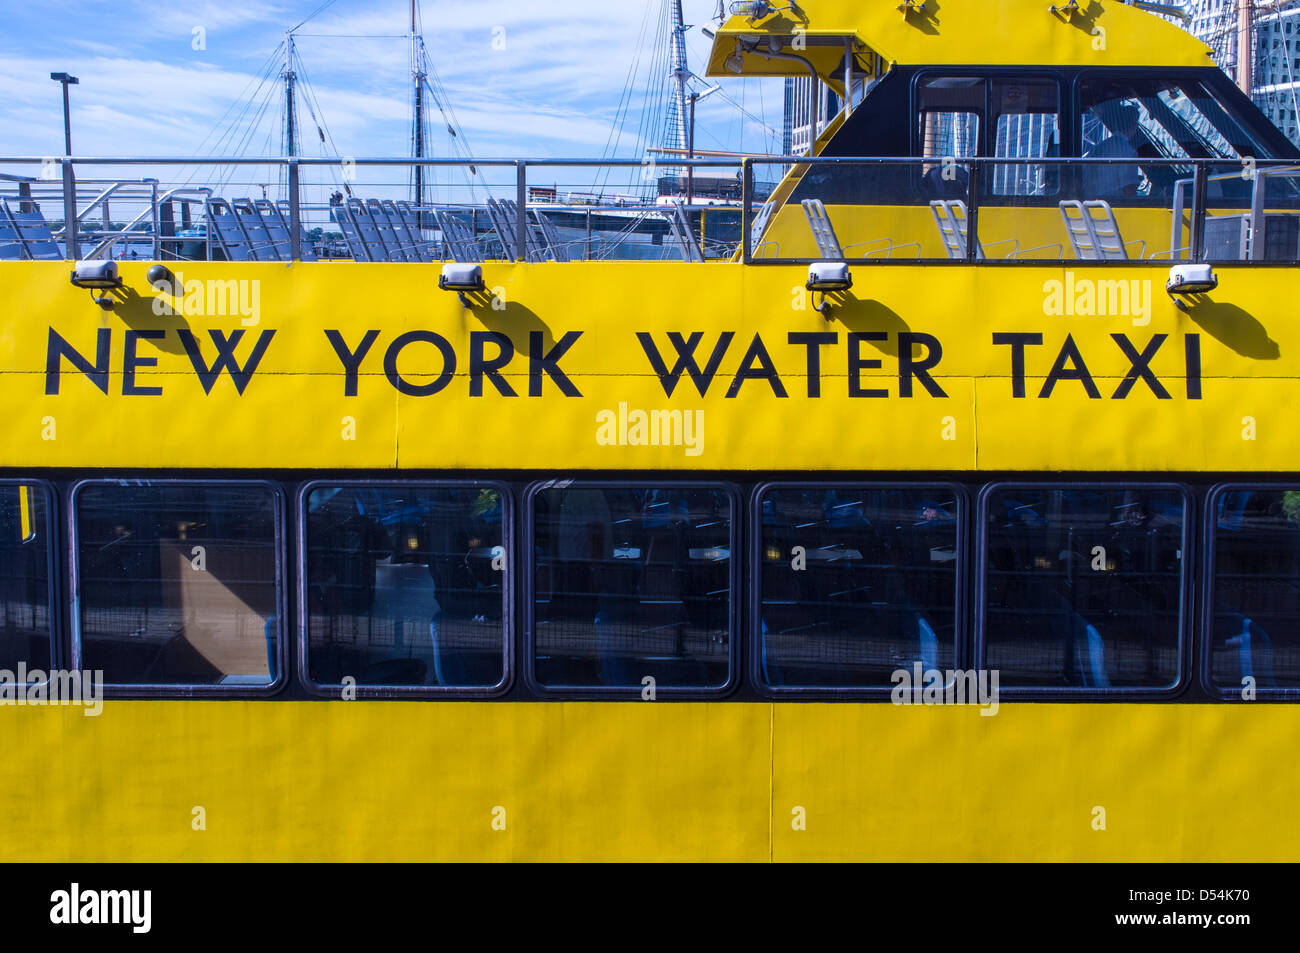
246 102
653 120
249 90
601 178
251 128
318 116
319 10
628 82
644 54
459 141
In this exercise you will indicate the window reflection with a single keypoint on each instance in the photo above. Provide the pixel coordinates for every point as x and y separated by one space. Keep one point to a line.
855 584
178 583
1083 586
1255 609
632 583
24 577
405 586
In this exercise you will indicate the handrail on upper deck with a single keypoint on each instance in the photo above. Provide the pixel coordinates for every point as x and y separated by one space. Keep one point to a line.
794 167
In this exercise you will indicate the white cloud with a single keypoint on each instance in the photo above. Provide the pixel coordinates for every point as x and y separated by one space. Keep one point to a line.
552 90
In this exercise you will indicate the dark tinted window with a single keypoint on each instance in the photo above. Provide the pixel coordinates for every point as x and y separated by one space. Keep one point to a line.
856 584
632 583
1255 597
1083 586
405 586
24 577
178 583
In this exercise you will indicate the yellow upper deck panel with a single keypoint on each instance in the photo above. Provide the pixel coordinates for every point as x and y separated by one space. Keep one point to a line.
962 32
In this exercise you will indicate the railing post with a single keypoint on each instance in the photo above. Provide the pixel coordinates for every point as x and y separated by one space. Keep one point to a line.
295 214
521 200
71 249
1257 215
157 222
973 212
1196 251
747 210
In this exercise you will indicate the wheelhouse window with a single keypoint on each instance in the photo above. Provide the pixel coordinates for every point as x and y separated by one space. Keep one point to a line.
1254 610
178 584
633 583
855 584
1083 586
949 111
24 576
1155 119
405 586
1026 126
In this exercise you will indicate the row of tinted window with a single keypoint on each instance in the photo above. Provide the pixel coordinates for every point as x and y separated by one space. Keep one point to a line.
407 588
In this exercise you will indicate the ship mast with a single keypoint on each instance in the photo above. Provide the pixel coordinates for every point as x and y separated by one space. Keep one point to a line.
417 78
290 140
681 73
1245 26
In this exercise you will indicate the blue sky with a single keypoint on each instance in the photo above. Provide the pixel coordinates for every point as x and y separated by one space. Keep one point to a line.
552 90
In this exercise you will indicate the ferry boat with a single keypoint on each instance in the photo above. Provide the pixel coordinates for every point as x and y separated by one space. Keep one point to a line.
952 514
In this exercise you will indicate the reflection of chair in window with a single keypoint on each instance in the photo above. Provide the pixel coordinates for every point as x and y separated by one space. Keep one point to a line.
405 593
951 217
1091 651
828 244
1255 650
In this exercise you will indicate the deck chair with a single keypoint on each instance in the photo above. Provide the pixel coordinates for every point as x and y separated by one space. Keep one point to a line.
393 227
260 245
347 223
226 231
411 219
383 232
1094 233
505 225
828 243
554 245
457 236
25 235
368 231
951 217
683 235
276 216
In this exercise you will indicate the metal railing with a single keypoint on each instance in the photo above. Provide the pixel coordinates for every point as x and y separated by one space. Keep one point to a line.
1253 221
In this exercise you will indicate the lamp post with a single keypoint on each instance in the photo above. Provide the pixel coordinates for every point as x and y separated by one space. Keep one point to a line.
67 80
69 183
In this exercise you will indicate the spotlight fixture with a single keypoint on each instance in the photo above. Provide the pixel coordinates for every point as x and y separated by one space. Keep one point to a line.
1188 280
827 277
463 279
97 276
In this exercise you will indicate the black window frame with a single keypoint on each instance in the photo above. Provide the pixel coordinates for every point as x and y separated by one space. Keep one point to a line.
508 587
735 601
181 689
1186 593
59 656
754 599
1206 634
